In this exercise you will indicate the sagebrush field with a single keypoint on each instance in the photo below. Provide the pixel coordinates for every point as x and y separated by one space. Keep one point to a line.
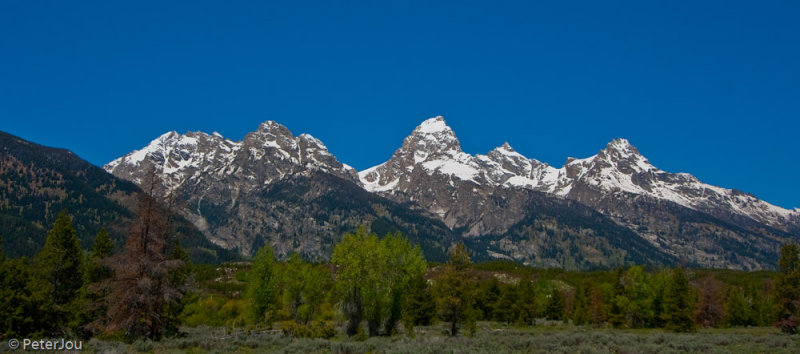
491 337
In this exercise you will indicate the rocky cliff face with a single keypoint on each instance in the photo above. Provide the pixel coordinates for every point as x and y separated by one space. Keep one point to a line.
676 213
605 210
272 187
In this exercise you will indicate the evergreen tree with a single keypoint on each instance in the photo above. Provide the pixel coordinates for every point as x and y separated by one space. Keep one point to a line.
102 248
20 317
143 287
505 307
525 307
261 284
459 257
638 292
787 290
678 303
420 306
455 294
659 284
58 275
178 276
618 301
737 309
486 296
91 317
554 310
760 305
580 312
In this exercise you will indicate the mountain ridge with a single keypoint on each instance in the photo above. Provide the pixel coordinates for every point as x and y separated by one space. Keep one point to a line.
37 182
485 199
629 171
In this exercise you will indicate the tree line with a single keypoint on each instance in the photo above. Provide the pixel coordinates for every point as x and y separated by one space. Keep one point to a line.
371 287
64 291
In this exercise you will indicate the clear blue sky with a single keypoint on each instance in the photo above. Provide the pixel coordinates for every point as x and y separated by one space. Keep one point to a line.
706 87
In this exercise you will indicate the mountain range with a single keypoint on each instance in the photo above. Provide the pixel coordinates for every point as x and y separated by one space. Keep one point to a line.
606 210
37 182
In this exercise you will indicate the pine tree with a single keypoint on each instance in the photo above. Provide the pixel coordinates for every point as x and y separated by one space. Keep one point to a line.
737 309
90 317
525 306
580 312
102 248
678 303
554 310
486 296
759 309
659 284
142 290
20 316
455 294
178 276
58 275
787 290
618 301
639 296
420 306
504 308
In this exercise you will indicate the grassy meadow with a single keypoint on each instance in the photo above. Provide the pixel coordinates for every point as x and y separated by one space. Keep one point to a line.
491 337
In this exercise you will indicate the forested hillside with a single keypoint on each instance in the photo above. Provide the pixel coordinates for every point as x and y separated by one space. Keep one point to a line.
38 182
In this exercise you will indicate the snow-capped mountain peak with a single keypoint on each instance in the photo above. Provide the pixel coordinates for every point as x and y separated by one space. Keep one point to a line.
433 149
272 151
625 157
506 147
432 137
433 126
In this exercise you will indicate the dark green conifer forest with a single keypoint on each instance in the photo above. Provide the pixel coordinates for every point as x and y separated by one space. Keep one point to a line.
372 287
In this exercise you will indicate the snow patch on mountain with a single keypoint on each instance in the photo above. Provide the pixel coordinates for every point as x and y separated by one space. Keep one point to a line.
619 168
269 153
433 125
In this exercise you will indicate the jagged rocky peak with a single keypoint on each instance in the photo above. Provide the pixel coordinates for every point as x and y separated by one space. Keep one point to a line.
433 125
273 130
270 134
432 137
620 155
509 160
432 147
505 151
269 152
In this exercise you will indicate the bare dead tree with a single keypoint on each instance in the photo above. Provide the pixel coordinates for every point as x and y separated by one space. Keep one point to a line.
142 289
